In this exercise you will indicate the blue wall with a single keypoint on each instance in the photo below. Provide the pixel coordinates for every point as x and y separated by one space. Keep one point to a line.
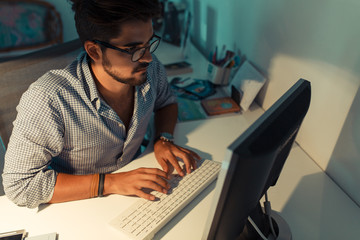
67 17
289 39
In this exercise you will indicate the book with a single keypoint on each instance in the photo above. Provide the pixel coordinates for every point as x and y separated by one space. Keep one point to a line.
218 106
190 88
189 110
178 68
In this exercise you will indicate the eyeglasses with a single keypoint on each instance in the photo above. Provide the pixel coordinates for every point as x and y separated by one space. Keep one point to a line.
137 53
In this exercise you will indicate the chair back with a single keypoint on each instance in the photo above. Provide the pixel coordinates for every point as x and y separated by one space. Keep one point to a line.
2 160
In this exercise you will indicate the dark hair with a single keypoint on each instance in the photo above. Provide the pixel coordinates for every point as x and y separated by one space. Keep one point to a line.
102 19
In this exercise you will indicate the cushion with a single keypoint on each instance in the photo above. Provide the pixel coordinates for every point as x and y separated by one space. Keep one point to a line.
28 24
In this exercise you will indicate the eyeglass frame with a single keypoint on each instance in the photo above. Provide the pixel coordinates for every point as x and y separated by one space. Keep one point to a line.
108 45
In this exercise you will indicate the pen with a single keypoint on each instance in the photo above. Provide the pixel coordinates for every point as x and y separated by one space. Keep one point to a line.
228 59
231 64
214 61
222 53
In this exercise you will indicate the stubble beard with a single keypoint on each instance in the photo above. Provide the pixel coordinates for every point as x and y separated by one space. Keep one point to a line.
131 80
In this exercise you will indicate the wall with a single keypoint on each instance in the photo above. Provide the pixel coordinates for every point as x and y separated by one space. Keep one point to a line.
67 17
287 40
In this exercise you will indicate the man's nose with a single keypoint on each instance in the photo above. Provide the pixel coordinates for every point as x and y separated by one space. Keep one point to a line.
147 56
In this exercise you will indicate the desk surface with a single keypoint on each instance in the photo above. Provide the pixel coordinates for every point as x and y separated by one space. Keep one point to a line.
312 204
88 219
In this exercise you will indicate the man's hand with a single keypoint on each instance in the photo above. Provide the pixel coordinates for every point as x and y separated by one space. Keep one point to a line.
134 182
167 153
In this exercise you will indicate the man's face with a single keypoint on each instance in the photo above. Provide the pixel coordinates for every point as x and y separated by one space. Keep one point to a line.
118 65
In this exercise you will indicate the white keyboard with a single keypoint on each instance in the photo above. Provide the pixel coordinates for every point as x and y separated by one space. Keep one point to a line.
145 218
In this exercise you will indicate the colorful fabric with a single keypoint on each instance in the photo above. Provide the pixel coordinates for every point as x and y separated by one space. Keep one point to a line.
22 24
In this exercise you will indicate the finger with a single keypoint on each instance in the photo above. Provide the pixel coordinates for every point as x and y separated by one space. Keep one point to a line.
154 175
188 158
174 162
189 161
155 186
192 157
144 195
164 165
154 171
171 167
157 180
194 154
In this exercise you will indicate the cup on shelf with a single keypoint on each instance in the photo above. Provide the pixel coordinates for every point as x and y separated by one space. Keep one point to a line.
218 75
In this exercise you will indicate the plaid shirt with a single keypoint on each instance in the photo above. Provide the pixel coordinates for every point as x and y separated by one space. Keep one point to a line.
64 126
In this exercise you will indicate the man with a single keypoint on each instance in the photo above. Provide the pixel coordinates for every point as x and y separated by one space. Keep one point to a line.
77 125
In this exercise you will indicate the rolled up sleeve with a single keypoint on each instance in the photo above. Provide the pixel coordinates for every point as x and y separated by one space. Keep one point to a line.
36 138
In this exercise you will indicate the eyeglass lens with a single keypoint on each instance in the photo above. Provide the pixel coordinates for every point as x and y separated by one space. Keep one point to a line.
141 52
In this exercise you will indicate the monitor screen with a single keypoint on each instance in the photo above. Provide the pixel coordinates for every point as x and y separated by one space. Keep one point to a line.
252 164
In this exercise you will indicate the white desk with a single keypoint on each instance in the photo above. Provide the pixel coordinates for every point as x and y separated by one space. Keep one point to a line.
88 219
312 204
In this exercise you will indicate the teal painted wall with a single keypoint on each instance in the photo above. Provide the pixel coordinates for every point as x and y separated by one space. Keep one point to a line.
286 39
67 17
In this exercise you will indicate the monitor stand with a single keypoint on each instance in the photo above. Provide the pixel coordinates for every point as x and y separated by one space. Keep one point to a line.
281 227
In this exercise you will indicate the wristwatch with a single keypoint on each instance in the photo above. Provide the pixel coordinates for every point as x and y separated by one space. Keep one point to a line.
165 136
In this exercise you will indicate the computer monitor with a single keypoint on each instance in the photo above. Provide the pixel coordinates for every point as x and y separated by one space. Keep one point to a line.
252 164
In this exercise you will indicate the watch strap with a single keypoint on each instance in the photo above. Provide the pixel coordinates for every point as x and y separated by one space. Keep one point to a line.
164 136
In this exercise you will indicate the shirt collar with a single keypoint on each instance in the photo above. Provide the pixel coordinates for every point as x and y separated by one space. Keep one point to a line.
94 94
89 80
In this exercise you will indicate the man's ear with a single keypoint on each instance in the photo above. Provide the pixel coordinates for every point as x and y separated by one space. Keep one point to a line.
93 50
